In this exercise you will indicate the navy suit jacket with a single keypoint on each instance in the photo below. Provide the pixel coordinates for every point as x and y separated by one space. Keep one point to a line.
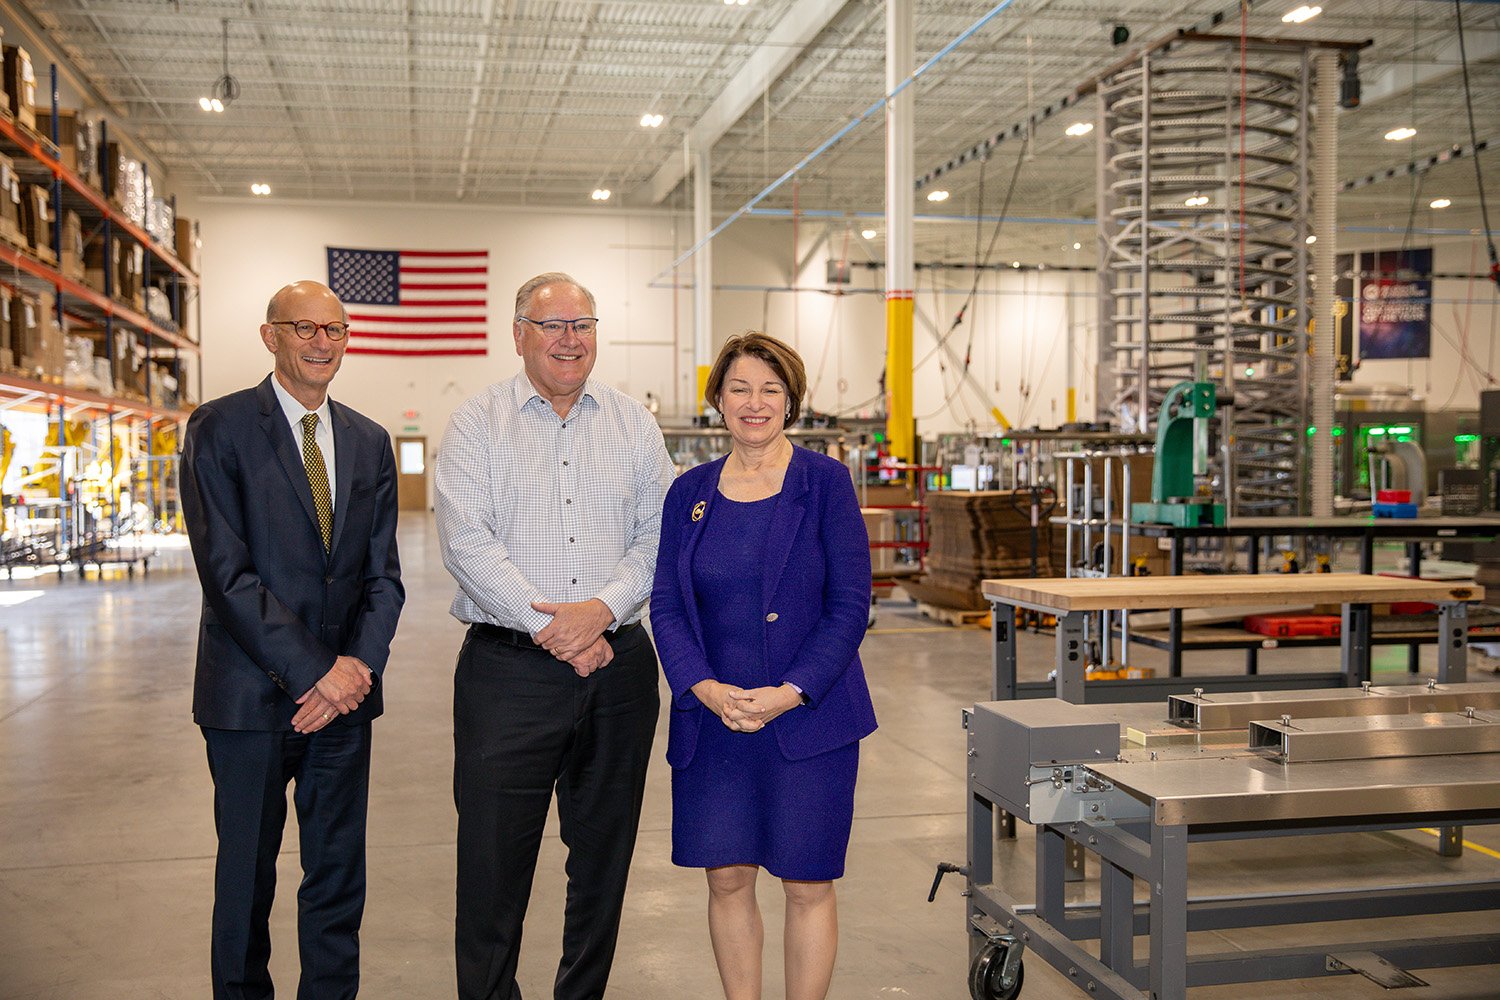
277 609
816 606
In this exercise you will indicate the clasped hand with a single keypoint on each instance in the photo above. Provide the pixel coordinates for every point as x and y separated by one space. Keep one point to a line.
575 634
337 692
746 710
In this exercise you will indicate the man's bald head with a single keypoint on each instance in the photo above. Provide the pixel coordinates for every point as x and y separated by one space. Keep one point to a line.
292 301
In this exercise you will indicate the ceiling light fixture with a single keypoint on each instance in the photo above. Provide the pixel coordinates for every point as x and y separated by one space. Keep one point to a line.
1015 263
1080 128
648 120
1311 239
1400 134
600 194
226 88
1301 14
937 195
735 3
1196 200
1077 246
868 234
260 189
1440 203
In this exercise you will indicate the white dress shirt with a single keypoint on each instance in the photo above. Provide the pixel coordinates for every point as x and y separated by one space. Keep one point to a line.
295 411
536 507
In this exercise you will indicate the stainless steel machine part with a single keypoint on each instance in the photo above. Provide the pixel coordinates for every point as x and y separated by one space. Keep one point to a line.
1377 736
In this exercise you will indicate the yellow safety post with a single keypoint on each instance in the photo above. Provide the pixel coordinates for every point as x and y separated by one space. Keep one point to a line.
899 312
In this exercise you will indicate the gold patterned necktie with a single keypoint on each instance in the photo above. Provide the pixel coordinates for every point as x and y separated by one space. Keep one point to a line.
317 477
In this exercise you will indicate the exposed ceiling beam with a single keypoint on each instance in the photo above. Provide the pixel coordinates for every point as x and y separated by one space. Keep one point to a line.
783 45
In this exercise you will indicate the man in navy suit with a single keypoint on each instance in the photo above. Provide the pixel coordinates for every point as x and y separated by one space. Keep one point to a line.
290 503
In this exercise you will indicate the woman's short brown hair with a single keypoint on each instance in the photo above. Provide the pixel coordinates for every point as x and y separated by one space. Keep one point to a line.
782 359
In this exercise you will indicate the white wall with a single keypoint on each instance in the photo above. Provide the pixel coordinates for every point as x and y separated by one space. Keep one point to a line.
251 248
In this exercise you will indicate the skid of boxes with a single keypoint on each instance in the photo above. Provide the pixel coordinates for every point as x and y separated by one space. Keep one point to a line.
31 343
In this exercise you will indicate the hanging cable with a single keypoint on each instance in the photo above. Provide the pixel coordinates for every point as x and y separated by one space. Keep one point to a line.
983 264
1484 211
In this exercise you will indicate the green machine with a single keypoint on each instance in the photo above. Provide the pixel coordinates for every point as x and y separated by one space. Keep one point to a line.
1181 460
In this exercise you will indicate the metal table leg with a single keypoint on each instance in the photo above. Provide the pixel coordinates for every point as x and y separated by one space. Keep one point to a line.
1354 649
1003 635
1453 642
1414 569
1174 616
1051 860
1070 659
1116 917
1168 880
1252 655
1453 668
981 825
1003 688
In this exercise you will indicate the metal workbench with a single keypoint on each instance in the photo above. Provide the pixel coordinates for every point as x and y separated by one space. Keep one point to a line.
1366 529
1073 600
1137 784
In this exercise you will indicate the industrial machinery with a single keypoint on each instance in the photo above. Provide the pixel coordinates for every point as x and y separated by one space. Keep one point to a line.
1179 492
1135 785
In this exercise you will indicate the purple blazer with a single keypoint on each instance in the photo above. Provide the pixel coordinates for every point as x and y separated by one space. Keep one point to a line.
815 606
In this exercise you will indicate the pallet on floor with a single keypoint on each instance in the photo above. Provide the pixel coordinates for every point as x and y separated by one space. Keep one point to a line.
954 616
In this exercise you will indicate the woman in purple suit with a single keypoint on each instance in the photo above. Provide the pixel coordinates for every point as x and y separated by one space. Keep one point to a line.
761 600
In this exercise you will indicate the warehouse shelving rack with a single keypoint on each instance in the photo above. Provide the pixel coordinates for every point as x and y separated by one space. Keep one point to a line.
38 161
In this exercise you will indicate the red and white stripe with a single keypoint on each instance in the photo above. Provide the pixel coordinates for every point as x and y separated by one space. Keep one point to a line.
444 308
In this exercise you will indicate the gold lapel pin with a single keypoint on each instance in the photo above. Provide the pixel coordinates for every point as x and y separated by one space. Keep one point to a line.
698 509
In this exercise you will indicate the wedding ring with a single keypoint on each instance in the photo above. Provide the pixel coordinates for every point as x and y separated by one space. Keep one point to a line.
327 716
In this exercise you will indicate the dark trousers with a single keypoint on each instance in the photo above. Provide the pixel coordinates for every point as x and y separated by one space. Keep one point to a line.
524 724
250 770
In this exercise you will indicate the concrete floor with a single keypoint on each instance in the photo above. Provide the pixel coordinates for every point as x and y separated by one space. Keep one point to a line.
106 837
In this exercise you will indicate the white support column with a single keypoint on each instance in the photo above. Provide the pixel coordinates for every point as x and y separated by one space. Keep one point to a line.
900 180
703 274
1325 228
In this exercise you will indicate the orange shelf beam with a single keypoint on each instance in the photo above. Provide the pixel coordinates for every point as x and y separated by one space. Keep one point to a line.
32 144
13 385
25 262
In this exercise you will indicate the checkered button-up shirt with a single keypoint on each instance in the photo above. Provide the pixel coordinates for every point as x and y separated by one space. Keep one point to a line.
536 507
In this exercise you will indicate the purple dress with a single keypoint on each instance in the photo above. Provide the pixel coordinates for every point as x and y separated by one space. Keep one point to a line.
740 801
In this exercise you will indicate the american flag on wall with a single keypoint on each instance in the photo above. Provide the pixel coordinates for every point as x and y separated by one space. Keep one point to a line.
413 303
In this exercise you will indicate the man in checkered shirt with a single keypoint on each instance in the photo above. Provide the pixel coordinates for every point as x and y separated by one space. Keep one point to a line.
549 496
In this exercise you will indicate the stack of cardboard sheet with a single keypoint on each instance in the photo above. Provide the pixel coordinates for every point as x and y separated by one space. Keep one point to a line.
977 536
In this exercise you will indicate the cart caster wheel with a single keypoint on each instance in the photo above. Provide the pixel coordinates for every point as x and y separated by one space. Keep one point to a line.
985 975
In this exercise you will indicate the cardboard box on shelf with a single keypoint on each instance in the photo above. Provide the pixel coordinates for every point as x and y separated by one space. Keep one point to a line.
188 242
36 221
23 319
4 93
71 264
132 262
20 85
6 296
129 369
73 137
10 203
44 354
880 525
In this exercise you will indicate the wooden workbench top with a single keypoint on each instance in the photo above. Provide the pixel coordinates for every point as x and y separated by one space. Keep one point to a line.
1215 591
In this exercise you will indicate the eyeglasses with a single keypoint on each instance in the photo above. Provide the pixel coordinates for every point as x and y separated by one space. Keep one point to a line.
584 326
307 329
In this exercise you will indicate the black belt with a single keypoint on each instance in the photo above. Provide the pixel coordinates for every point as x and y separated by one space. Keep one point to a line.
515 637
